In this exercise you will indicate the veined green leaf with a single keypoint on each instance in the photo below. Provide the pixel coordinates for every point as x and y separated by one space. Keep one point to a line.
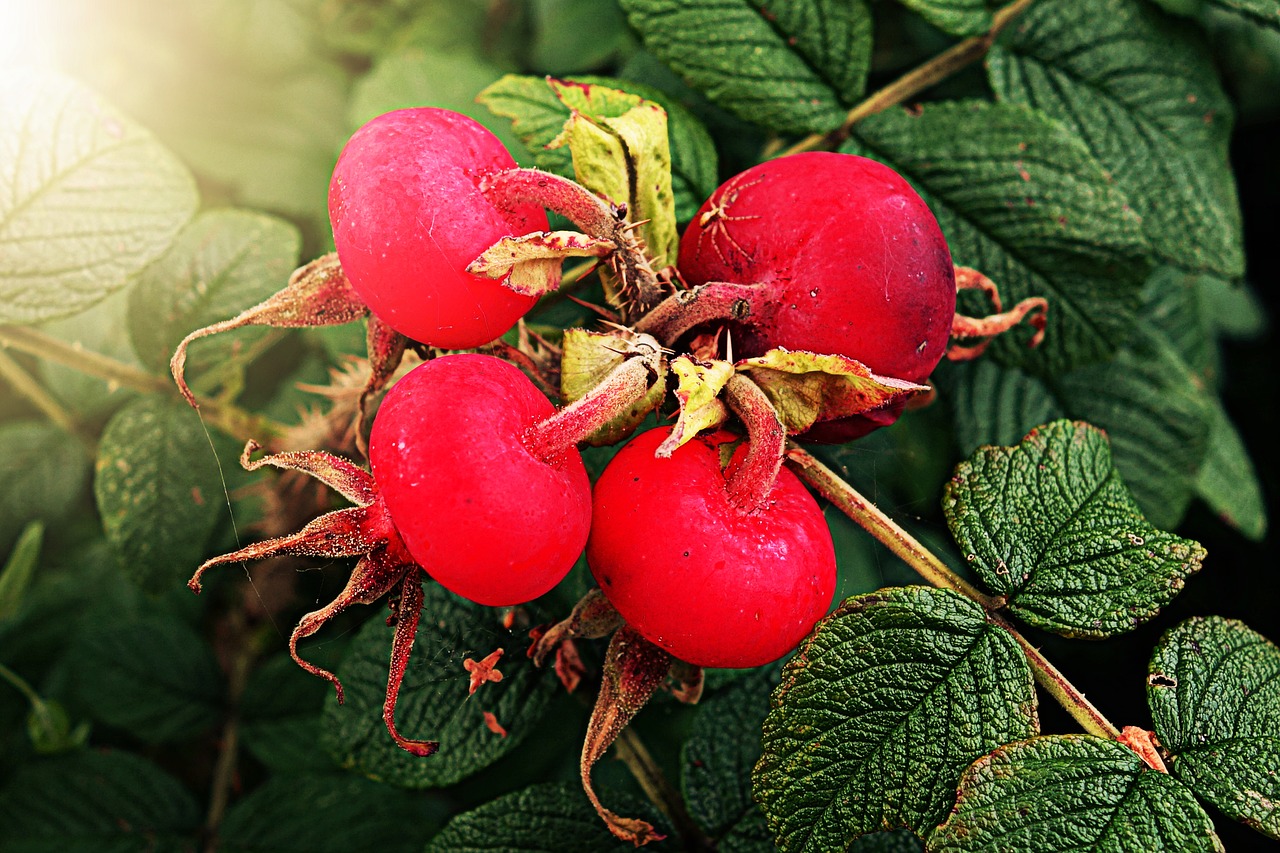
92 800
1141 91
1050 525
159 491
1214 692
794 67
223 262
880 711
1072 792
1019 198
87 197
552 818
958 17
1263 11
538 116
43 473
434 700
1228 481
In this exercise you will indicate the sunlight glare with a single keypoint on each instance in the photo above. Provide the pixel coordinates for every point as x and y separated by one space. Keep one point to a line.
25 33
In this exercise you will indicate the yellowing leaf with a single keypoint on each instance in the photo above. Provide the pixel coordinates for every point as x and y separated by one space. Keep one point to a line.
533 260
699 396
591 356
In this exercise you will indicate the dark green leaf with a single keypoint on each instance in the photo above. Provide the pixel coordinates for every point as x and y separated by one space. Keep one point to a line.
1228 481
223 262
1072 792
331 813
576 35
1141 90
43 473
541 819
1022 200
87 197
19 569
958 17
1050 525
92 802
1214 691
880 711
722 747
794 67
159 491
538 116
1175 303
152 676
1263 11
280 712
434 703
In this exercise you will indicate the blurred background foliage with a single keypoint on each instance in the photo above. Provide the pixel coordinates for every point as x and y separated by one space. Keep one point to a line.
256 97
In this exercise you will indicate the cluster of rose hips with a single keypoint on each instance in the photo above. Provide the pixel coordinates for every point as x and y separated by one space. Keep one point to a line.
706 546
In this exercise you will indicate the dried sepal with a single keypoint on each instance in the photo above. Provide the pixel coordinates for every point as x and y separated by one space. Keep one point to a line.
592 617
318 294
978 332
530 264
407 611
698 392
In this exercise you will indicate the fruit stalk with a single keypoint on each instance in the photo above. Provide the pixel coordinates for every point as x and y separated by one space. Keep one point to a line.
706 303
751 484
511 188
622 388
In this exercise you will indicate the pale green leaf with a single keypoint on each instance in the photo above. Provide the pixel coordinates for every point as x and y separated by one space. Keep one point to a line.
1050 525
576 35
159 491
1214 692
1140 89
19 569
1022 200
1072 792
43 474
434 702
793 67
880 711
87 197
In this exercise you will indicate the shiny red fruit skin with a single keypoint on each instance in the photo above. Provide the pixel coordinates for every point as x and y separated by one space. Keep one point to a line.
480 513
408 217
852 260
696 575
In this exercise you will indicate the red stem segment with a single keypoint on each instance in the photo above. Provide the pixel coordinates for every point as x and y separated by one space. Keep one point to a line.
751 484
706 303
571 200
625 386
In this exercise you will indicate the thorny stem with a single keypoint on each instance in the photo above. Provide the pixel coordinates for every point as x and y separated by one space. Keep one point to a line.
847 499
750 485
631 751
625 385
685 309
231 419
26 386
942 66
224 771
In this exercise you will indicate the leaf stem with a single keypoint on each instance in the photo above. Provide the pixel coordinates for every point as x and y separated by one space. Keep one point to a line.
632 752
26 386
20 684
228 418
942 66
832 487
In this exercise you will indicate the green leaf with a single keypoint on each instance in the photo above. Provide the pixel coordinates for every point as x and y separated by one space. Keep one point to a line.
1142 92
552 818
1263 11
880 711
223 262
538 116
958 17
576 35
19 569
280 714
1228 481
722 747
327 814
1072 792
101 329
87 197
94 801
1175 303
152 676
793 67
159 491
43 473
1154 410
434 702
1050 525
1214 692
1022 200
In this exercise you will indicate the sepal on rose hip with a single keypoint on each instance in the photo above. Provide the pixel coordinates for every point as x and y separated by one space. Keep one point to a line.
972 335
530 264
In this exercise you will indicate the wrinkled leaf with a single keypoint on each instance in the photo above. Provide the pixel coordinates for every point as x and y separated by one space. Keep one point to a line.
87 197
223 262
1023 200
1214 692
1142 92
880 711
280 713
1072 792
94 801
1051 526
793 67
434 700
152 676
159 491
